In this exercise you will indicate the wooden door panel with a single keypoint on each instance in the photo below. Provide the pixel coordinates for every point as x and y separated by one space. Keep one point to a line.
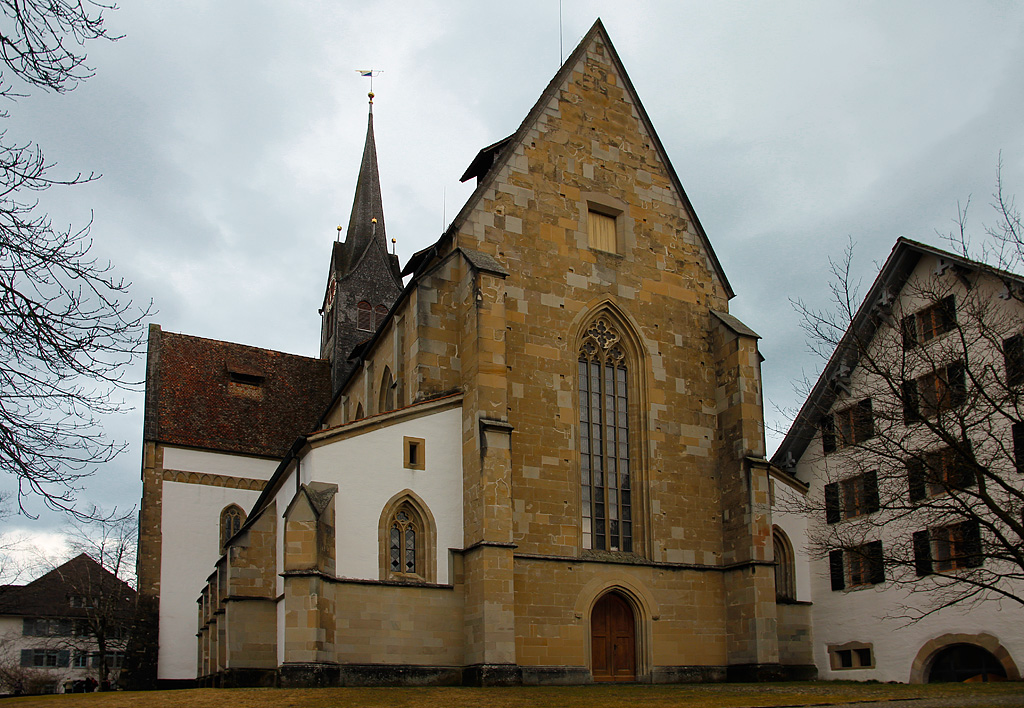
613 640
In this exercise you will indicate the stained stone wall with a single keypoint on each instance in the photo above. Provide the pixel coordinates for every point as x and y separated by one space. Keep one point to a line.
508 336
499 313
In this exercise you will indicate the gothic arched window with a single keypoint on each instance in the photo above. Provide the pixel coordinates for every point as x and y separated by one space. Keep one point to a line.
605 474
402 543
364 316
407 540
231 520
381 312
386 400
785 567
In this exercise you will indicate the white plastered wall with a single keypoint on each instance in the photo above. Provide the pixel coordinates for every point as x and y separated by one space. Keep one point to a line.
185 460
369 470
786 515
190 523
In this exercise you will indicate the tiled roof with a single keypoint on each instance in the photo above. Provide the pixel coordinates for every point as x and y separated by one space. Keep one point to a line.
229 397
48 595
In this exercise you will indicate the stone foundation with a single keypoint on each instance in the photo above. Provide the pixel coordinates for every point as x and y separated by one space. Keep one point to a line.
688 674
755 673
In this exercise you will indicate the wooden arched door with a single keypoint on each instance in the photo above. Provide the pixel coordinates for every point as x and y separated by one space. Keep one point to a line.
613 639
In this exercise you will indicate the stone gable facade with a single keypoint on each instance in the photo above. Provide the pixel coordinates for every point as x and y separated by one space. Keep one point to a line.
546 463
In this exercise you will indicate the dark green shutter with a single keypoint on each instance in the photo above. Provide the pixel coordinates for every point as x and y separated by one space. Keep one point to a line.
26 657
1018 446
871 491
876 562
970 532
909 327
63 658
957 382
835 569
1013 358
922 553
916 479
947 313
864 421
911 410
831 503
828 435
965 465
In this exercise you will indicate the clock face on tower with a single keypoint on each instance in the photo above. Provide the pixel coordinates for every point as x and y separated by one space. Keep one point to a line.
329 303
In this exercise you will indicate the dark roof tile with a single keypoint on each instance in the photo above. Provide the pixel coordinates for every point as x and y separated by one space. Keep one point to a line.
192 400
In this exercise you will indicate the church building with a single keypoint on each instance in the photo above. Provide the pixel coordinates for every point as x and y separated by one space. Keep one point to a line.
533 455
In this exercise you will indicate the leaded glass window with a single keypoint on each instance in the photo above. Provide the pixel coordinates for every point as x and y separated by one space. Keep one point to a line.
604 441
402 544
231 520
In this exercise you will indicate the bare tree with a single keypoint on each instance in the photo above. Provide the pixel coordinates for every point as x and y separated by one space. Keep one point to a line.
67 326
921 417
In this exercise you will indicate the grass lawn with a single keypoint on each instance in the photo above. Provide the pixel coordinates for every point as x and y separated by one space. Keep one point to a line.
633 696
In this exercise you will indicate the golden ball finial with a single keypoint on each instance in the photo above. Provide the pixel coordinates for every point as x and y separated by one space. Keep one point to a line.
371 96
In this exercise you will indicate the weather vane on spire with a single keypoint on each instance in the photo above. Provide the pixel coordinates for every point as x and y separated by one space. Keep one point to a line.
370 73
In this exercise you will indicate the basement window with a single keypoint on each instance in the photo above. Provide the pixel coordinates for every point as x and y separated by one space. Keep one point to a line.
853 655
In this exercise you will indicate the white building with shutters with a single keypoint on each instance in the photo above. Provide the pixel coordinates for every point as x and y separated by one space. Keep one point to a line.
904 466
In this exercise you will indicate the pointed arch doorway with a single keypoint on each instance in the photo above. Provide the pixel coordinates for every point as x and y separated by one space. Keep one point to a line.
613 639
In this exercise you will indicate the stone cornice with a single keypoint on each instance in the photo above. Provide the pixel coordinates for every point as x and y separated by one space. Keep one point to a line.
214 480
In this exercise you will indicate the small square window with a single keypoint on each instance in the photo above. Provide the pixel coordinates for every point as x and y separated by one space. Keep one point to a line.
601 231
415 453
854 655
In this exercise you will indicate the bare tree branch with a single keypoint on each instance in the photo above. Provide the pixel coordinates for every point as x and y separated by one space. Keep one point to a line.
67 325
940 372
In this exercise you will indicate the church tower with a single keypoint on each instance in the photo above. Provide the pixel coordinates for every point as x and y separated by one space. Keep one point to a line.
364 279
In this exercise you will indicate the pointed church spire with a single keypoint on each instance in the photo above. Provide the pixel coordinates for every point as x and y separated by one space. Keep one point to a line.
364 279
366 223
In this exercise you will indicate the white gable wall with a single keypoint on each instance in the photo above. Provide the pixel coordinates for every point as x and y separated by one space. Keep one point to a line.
190 523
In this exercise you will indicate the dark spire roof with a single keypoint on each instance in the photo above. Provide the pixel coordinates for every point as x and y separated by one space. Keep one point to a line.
367 203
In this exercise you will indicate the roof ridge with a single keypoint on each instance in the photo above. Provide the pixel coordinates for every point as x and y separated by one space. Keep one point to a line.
182 335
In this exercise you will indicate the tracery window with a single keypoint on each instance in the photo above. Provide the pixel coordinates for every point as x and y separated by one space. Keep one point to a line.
604 440
231 520
402 543
408 540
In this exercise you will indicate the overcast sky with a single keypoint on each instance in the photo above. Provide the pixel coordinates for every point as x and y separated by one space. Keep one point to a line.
229 133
